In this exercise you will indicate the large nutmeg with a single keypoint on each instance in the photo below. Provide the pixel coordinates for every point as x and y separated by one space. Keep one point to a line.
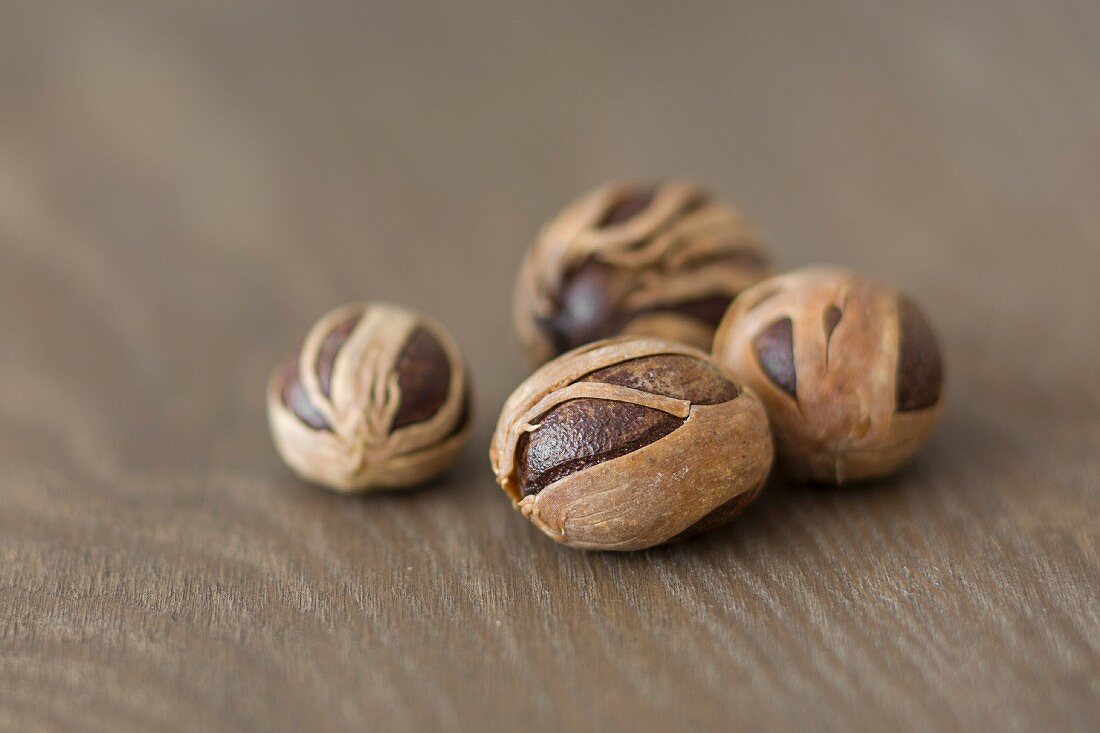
376 398
848 368
662 261
625 444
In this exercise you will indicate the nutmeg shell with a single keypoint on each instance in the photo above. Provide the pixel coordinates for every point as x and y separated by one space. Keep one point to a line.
663 261
848 368
629 443
377 397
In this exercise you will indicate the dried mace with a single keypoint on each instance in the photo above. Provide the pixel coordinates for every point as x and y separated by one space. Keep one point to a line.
625 444
660 261
848 368
376 398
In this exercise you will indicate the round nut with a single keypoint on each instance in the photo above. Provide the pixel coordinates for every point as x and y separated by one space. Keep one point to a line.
662 261
848 369
628 443
377 397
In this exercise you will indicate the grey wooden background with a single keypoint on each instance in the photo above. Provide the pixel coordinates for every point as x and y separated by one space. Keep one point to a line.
185 185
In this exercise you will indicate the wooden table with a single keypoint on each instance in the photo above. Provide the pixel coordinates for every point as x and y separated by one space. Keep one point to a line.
185 186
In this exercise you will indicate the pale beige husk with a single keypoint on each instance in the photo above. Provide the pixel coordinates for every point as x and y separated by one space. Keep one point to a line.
658 245
653 494
362 452
844 425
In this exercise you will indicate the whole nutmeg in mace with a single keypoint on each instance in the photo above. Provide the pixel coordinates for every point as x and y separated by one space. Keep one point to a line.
376 398
628 443
661 261
848 368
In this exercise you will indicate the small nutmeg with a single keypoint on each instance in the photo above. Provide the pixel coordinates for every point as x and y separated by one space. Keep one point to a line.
629 443
848 369
377 397
662 261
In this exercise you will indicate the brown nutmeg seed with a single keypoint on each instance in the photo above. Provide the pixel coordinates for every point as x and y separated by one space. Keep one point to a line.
848 369
662 261
377 397
628 443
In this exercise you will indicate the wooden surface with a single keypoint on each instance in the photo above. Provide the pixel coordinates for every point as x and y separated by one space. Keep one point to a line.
185 186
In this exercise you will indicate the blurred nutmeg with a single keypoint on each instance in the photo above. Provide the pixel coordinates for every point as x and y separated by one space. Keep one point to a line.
628 443
662 261
377 397
848 368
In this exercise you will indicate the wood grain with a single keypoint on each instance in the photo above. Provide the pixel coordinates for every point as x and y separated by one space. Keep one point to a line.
186 186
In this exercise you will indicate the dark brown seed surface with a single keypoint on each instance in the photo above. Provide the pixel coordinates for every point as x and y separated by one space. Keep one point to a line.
628 208
775 351
582 433
719 515
920 371
586 309
709 310
330 349
424 375
832 320
672 375
297 401
733 257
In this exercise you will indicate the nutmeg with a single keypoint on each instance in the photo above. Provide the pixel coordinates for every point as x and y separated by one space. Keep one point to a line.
848 369
628 443
376 398
662 261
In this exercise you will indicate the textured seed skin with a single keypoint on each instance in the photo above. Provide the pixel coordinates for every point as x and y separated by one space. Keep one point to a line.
295 396
297 400
588 310
720 515
775 350
582 433
848 368
625 444
832 320
920 371
330 349
672 375
423 375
